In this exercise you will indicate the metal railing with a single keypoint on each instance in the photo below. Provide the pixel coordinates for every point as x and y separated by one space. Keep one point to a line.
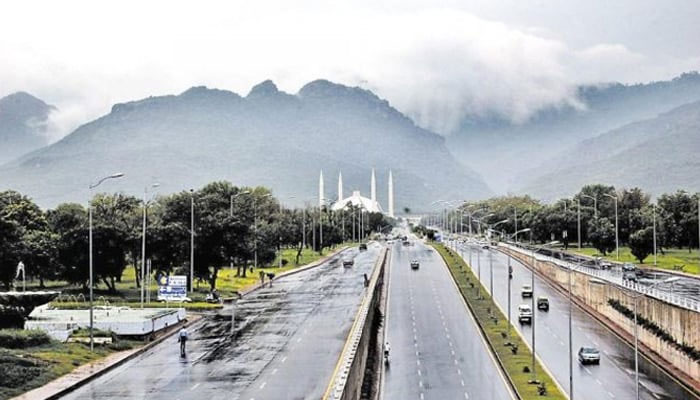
616 279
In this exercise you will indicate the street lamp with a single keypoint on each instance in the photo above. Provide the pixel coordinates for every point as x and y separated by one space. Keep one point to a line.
617 238
143 240
491 227
532 283
515 235
191 240
92 186
233 196
595 204
255 226
279 246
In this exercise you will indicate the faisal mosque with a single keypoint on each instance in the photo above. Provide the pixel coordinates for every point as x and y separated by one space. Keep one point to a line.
356 199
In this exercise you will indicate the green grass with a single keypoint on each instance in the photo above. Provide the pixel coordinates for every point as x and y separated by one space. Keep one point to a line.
495 326
25 369
670 259
227 283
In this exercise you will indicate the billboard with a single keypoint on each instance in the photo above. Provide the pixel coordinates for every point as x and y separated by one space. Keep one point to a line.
172 288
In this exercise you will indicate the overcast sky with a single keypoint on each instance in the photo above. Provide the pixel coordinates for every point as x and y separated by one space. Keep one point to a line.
434 60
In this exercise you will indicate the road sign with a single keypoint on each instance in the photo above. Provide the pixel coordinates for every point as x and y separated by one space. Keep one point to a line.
172 288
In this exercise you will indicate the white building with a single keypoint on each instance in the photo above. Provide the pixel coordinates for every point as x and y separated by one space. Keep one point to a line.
357 200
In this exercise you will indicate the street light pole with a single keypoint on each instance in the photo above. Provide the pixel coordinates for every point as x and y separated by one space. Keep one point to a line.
191 240
578 203
653 208
617 230
595 205
113 176
532 283
143 241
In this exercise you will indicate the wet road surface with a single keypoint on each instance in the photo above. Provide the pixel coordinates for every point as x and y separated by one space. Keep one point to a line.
613 378
436 349
288 339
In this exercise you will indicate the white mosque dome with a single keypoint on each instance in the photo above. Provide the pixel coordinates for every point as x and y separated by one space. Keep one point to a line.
357 200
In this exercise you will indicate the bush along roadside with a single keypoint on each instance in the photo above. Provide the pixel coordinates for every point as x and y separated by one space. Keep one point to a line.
510 350
660 332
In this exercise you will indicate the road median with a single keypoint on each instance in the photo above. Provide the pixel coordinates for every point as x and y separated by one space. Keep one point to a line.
512 353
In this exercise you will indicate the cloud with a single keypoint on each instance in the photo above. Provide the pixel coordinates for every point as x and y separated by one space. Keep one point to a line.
439 66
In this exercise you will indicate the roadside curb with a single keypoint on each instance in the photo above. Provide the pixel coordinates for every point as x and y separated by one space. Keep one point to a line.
126 356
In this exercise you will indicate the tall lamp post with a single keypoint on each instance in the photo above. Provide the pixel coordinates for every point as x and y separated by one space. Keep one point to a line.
233 196
143 240
595 204
255 227
279 247
92 186
191 240
636 334
617 229
491 228
532 283
515 235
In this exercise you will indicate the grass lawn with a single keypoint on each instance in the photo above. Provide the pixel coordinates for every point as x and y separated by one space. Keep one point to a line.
495 325
227 283
672 258
28 368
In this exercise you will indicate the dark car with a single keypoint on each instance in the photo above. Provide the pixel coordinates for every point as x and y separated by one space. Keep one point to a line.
543 303
415 264
588 355
347 263
363 246
629 276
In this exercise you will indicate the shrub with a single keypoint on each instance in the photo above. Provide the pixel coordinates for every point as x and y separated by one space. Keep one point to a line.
21 339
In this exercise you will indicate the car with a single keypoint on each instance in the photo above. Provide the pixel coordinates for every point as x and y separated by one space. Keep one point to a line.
543 303
363 246
524 314
347 263
406 243
588 355
415 264
526 291
629 276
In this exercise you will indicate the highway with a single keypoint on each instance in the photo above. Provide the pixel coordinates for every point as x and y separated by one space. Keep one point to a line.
436 348
288 339
613 378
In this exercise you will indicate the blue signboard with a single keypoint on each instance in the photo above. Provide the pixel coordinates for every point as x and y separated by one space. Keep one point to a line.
172 288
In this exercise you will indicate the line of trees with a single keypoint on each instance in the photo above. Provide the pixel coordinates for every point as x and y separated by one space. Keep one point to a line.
676 218
231 223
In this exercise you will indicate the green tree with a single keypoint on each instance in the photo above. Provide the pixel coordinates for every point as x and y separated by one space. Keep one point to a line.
601 233
641 243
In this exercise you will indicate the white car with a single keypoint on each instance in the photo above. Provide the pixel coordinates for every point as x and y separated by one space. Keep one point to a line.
524 314
526 291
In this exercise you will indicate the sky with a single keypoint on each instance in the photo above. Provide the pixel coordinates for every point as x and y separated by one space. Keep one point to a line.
437 61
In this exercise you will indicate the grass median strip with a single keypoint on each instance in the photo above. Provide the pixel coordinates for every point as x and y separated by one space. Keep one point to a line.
512 352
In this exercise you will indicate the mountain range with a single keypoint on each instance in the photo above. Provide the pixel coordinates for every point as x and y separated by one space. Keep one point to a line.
269 138
23 125
511 156
658 154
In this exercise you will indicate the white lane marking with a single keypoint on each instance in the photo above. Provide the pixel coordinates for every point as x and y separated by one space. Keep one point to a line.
263 385
466 395
462 382
588 371
284 359
417 362
598 381
612 396
195 386
298 340
459 371
421 395
274 371
420 384
419 373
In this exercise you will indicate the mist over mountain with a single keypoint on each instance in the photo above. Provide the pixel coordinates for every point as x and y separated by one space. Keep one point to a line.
23 125
658 154
508 154
268 138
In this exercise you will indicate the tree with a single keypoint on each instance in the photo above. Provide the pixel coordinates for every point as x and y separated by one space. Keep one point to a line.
641 243
630 206
40 256
10 250
601 233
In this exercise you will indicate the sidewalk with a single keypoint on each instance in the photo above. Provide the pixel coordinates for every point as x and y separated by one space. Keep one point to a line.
84 373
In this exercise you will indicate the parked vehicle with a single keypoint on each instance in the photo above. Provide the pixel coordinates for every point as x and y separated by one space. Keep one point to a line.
415 264
526 291
588 355
524 314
